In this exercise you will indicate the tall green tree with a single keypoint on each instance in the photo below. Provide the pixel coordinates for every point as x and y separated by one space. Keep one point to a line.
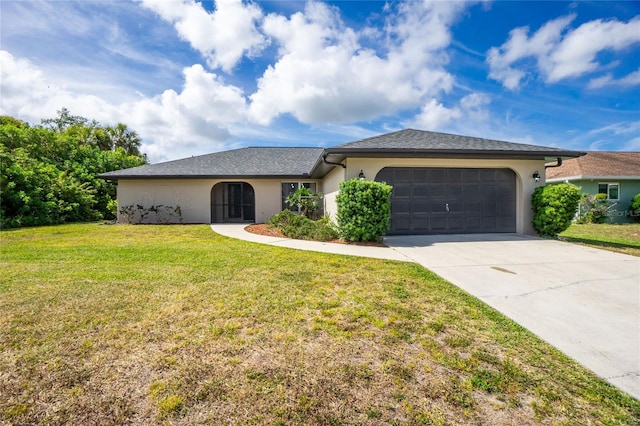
48 172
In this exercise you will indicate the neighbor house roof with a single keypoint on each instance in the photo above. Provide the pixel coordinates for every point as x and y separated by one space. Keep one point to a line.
598 165
237 163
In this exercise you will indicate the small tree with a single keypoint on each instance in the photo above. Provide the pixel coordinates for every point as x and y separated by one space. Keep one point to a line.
593 208
554 207
308 202
364 210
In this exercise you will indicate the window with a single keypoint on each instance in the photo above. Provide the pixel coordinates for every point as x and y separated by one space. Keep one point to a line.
289 188
611 189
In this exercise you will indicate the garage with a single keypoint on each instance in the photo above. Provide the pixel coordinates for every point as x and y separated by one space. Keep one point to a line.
430 200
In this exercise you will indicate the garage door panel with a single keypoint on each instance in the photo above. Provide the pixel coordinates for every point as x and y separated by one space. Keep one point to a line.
437 175
454 175
420 223
478 200
437 191
470 175
454 191
401 207
438 224
455 224
420 190
401 224
402 190
421 206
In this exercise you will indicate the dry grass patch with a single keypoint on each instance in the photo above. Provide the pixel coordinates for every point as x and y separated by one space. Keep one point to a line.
175 324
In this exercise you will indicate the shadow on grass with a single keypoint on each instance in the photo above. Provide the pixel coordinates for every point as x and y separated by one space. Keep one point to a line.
633 249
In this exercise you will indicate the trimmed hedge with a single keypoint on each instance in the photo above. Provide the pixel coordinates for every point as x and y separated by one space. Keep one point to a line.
364 210
554 207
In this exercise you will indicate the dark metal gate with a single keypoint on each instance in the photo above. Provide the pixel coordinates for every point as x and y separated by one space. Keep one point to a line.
233 202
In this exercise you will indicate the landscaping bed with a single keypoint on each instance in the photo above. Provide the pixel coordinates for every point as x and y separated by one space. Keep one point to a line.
271 231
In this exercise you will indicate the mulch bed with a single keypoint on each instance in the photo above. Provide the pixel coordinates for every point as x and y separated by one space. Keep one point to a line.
264 229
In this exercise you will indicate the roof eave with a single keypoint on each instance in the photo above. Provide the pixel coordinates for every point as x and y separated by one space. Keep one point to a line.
463 153
590 177
227 177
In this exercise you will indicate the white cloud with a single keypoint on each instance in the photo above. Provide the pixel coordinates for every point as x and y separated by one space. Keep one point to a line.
171 125
223 37
435 116
195 120
324 75
30 95
559 52
632 79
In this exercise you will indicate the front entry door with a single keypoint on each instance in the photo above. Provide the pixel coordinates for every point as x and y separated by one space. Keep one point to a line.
233 202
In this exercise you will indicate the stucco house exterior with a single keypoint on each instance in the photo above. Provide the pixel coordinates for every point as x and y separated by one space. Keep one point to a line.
616 174
443 183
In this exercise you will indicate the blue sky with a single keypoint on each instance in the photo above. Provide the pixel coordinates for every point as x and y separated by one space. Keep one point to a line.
198 77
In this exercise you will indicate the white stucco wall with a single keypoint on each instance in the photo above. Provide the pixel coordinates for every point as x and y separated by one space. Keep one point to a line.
330 188
194 196
523 170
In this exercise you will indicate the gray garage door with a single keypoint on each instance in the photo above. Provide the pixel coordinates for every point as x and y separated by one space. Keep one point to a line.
450 200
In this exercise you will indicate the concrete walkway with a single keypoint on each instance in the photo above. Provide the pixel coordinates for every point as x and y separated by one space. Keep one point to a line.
237 231
583 301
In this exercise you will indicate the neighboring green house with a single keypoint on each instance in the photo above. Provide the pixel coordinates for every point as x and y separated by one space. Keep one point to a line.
616 174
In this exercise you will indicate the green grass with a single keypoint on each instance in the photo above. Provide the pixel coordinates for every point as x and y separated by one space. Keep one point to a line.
622 238
174 324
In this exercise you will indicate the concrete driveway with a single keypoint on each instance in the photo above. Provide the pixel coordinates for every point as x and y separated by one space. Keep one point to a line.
583 301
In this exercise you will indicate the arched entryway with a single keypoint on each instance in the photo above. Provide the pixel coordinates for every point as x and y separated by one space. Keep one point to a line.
233 202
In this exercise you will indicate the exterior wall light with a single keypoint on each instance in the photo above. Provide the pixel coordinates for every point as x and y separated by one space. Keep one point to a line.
361 175
536 176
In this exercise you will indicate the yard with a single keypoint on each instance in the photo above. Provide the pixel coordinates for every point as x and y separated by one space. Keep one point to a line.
174 324
622 238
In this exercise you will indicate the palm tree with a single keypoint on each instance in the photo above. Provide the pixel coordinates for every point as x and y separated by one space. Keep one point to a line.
122 137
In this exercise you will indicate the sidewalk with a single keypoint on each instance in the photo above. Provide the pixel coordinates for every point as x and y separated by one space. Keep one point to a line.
237 231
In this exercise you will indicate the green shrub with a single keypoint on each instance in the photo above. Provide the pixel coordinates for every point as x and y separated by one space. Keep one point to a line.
554 207
282 219
634 208
300 227
364 210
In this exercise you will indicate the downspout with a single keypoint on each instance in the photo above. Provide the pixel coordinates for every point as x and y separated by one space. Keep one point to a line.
324 160
554 165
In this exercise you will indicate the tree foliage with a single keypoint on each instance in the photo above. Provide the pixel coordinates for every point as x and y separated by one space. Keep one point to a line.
634 208
554 207
48 172
308 202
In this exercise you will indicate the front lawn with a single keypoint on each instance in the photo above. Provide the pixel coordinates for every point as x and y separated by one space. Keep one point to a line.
622 238
174 324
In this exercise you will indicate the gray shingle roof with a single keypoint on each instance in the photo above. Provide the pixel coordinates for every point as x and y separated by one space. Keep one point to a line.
306 162
425 142
243 162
